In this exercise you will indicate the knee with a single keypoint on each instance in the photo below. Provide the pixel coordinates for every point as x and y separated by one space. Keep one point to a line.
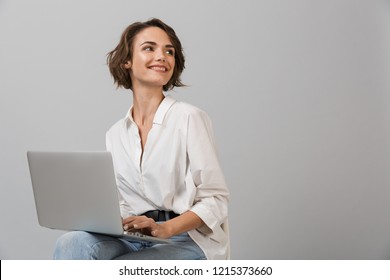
72 245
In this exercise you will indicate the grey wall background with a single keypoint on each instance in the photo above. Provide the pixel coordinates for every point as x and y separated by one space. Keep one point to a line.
298 92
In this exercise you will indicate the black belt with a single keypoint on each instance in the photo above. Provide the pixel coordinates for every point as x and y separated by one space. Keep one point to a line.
160 216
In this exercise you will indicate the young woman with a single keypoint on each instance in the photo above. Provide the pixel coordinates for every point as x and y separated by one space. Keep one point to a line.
169 179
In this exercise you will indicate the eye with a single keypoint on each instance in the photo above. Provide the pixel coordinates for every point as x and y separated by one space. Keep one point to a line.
170 52
148 48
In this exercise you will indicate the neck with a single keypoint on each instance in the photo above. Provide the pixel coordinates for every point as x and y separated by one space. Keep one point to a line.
145 104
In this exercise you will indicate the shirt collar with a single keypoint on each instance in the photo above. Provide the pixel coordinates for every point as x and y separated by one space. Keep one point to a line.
162 110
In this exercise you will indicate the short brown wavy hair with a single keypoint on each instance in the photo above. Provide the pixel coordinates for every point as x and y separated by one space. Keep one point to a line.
124 52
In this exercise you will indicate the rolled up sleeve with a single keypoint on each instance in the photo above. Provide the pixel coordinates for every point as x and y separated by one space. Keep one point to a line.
212 194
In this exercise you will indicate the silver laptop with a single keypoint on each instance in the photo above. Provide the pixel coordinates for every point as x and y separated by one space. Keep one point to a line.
77 191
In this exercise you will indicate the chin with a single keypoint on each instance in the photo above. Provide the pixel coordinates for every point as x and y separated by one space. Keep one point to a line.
159 83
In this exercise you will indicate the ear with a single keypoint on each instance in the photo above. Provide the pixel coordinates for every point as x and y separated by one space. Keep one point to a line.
127 65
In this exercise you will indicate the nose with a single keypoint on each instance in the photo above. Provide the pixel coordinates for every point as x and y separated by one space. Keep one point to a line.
161 56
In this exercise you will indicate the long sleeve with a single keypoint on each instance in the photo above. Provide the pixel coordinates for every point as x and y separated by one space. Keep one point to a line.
211 199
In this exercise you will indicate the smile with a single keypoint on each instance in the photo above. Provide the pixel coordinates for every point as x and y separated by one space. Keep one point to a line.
159 68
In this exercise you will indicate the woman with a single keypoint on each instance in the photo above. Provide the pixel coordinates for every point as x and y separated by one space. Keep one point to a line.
169 180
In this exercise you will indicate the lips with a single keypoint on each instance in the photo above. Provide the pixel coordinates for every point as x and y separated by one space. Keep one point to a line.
158 68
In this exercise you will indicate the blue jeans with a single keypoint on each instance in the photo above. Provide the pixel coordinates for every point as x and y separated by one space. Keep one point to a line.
80 245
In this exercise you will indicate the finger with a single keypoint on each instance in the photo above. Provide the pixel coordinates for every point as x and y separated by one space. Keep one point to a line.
129 220
129 225
148 223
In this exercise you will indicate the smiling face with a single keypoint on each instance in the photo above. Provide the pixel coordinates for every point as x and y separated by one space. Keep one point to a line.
153 59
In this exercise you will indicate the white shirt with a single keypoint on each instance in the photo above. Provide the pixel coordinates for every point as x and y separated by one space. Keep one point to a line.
179 171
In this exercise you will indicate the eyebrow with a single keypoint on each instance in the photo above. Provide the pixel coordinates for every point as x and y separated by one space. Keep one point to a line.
154 44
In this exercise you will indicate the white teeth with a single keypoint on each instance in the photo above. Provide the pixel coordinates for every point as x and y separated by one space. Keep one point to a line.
158 68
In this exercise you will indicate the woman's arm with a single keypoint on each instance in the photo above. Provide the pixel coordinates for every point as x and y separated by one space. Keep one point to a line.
212 195
183 223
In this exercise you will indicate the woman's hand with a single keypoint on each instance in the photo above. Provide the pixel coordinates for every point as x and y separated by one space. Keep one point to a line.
183 223
146 226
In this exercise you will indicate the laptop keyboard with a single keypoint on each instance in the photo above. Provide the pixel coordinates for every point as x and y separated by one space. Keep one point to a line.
131 233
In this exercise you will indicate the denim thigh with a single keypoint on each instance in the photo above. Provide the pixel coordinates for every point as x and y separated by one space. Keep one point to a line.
80 245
